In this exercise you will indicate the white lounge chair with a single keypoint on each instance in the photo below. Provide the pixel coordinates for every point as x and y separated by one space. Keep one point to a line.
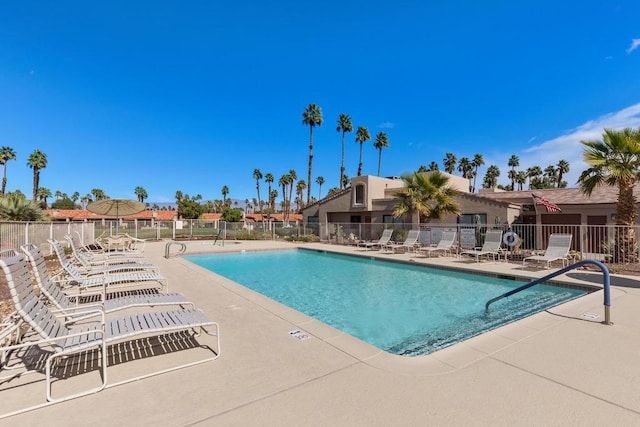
445 245
385 238
113 302
97 251
557 249
491 246
75 280
408 245
57 340
88 261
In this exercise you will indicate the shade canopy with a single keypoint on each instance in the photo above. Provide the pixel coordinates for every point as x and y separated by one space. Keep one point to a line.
116 207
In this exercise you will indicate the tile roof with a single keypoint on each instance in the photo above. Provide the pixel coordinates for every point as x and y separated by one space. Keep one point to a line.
560 196
274 217
211 216
81 214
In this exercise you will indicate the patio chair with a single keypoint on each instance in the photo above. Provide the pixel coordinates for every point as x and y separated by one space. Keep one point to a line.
557 249
123 244
73 279
88 269
113 301
98 248
445 245
385 238
58 341
409 243
491 246
89 261
135 244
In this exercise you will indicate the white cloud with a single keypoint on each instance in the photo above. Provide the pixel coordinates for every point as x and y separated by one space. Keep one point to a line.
568 147
386 125
533 138
635 43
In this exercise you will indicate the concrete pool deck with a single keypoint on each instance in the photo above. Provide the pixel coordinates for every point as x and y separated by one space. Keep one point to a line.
558 367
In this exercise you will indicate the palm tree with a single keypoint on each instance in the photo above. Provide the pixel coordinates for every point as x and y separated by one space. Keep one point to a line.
98 194
428 195
257 175
433 166
491 177
521 178
476 163
225 191
382 141
86 200
344 125
299 190
561 168
312 116
514 161
450 160
533 173
6 154
37 161
75 197
292 179
141 193
43 194
345 181
283 182
268 178
550 173
615 161
320 181
465 167
273 196
362 135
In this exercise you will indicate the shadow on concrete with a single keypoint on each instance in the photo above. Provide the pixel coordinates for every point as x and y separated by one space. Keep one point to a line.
623 282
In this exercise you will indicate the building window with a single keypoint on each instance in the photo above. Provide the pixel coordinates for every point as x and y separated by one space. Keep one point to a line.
390 219
472 218
359 196
356 219
312 219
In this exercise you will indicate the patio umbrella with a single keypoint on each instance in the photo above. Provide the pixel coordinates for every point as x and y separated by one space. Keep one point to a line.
116 207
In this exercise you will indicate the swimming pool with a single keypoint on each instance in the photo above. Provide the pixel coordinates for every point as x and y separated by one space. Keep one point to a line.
409 310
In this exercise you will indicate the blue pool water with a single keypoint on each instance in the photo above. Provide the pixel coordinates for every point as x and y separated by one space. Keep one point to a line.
404 309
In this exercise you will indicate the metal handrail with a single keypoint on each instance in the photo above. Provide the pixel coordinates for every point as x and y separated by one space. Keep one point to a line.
217 236
606 282
167 247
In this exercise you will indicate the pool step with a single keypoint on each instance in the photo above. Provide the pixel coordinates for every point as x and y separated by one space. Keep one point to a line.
508 310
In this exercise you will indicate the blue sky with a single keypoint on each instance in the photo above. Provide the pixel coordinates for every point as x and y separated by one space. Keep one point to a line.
195 95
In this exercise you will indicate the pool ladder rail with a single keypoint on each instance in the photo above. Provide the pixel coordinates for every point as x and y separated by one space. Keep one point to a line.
606 282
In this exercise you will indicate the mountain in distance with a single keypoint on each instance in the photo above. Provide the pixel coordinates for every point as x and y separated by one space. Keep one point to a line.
173 206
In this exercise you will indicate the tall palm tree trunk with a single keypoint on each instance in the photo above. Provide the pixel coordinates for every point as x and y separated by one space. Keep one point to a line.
626 248
310 163
360 164
341 165
36 182
4 178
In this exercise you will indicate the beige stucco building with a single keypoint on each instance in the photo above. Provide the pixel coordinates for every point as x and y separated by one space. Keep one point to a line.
366 207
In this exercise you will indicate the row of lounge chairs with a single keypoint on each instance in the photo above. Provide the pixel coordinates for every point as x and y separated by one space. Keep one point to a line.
558 248
88 307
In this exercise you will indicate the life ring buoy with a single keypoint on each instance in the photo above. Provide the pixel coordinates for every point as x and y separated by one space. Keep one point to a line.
510 238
